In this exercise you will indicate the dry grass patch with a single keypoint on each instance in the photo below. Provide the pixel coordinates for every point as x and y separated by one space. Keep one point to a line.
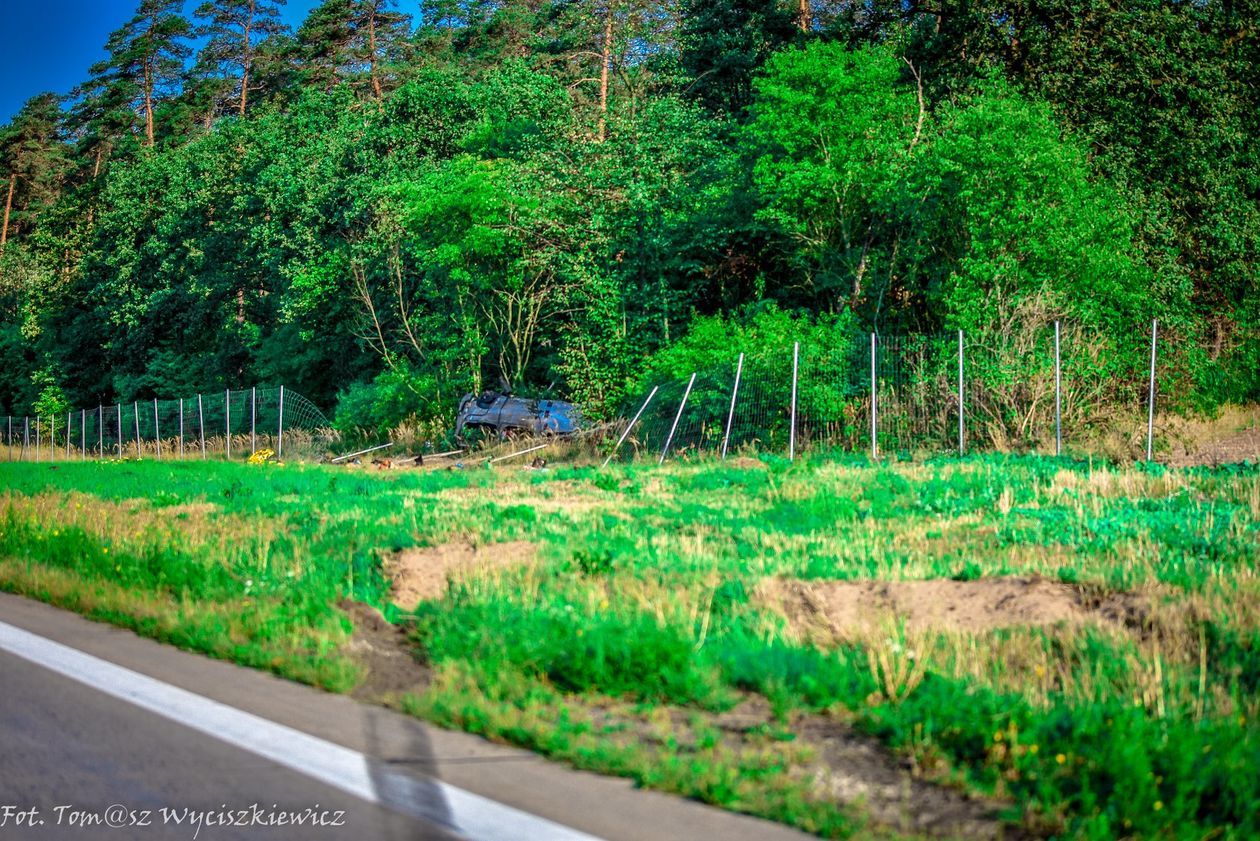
138 523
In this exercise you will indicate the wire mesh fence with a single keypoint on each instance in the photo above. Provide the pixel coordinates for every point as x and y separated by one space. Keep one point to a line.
881 394
229 424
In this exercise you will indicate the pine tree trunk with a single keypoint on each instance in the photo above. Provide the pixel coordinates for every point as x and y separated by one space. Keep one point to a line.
8 206
148 106
605 59
246 60
804 17
376 82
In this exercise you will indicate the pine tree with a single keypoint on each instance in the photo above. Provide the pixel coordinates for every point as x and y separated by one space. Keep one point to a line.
32 163
236 29
146 61
358 41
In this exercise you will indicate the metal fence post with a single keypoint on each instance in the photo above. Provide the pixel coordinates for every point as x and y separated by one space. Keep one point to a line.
39 443
100 430
1150 411
83 434
253 419
961 441
874 398
26 435
181 427
1058 395
157 431
201 427
670 439
280 427
69 420
135 411
120 432
730 415
630 426
227 422
796 356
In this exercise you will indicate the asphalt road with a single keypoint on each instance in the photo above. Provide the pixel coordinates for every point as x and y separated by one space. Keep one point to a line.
71 753
92 716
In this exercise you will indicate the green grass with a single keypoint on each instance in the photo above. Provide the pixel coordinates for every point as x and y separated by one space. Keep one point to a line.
646 606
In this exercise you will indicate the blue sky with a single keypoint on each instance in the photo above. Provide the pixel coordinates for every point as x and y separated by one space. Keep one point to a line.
48 45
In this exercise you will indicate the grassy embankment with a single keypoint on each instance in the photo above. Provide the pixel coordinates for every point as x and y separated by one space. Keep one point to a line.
681 626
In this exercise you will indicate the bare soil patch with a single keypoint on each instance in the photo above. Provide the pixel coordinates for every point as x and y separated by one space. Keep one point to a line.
844 609
1230 437
839 764
855 769
385 654
852 768
747 463
422 573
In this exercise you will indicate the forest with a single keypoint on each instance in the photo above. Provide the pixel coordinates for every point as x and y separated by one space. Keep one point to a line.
399 202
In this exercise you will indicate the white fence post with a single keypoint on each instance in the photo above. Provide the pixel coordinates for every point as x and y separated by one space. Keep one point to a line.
874 409
678 416
730 416
227 422
796 356
39 443
280 427
630 426
181 428
961 441
135 411
201 427
1150 412
253 419
157 431
1058 395
120 432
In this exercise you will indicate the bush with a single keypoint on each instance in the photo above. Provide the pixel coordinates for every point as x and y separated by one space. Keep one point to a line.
395 397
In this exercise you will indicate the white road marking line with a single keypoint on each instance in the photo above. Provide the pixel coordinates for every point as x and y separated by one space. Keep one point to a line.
471 815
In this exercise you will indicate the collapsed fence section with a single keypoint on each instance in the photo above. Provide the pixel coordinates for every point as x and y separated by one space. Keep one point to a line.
929 393
228 424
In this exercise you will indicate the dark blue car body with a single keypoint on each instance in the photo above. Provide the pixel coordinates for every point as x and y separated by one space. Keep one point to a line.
493 411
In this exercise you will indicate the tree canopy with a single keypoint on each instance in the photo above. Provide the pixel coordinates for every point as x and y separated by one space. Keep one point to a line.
399 202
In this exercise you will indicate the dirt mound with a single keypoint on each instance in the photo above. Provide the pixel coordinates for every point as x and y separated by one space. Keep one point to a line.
846 608
385 654
422 573
747 463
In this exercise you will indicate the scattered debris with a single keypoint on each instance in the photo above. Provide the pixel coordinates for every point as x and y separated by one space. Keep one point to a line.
350 456
518 453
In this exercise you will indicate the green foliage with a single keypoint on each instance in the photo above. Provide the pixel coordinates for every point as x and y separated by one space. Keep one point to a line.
393 397
51 402
470 202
